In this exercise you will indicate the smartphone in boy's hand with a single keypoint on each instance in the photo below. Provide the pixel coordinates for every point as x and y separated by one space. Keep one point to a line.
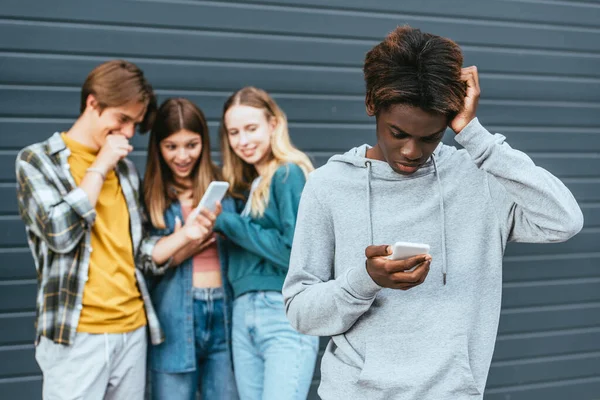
396 274
404 250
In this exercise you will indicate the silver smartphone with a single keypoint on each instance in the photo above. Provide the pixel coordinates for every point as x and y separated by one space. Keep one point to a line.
214 193
404 250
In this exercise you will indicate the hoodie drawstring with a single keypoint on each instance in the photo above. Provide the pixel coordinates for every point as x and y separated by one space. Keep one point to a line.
368 165
441 206
443 219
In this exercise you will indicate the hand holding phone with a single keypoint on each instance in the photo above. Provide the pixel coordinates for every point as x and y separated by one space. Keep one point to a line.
404 250
214 194
396 274
197 228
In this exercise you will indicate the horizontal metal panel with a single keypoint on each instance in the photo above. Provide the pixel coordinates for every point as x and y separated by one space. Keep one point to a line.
584 388
523 346
17 328
7 167
17 263
559 167
591 214
64 70
16 101
539 64
334 137
12 232
20 295
8 198
277 21
584 189
572 165
192 75
551 266
531 62
537 319
16 133
546 293
559 139
7 171
18 361
148 42
17 296
583 242
576 165
111 41
514 11
544 370
22 388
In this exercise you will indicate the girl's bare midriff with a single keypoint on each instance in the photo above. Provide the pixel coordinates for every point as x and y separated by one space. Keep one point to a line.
202 279
207 279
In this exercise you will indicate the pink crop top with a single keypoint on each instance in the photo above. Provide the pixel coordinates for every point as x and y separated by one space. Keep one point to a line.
208 259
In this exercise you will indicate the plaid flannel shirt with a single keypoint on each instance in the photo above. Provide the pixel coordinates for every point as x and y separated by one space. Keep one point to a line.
58 219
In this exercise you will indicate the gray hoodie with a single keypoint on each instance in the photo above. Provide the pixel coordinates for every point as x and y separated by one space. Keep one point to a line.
434 341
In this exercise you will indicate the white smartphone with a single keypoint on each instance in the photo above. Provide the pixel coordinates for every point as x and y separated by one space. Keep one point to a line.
404 250
214 193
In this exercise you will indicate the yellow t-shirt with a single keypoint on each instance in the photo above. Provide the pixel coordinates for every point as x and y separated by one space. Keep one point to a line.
111 299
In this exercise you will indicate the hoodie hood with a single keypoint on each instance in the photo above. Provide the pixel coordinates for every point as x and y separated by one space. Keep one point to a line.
433 341
382 170
376 169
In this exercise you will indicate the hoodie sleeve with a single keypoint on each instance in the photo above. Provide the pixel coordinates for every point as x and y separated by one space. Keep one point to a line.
533 206
317 302
271 243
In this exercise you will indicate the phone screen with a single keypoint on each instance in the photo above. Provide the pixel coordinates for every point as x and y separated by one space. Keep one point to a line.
214 193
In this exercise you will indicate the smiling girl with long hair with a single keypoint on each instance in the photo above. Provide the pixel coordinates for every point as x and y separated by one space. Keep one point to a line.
192 299
272 360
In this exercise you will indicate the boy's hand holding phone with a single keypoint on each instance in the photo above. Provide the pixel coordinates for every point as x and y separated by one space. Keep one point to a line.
396 274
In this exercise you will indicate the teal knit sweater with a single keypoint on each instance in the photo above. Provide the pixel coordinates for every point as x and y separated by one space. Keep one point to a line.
260 250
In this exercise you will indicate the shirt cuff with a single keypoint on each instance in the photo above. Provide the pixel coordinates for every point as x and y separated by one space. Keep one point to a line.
146 249
80 202
361 284
221 222
476 139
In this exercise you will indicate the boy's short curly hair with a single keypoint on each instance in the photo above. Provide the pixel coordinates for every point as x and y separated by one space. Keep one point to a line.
417 69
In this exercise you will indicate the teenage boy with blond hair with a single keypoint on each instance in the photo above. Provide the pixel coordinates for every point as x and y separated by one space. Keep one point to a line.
79 198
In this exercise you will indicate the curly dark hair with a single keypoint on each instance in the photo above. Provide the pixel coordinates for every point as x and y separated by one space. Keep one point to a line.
417 69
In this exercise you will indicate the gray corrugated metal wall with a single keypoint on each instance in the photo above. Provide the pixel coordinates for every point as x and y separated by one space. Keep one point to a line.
540 74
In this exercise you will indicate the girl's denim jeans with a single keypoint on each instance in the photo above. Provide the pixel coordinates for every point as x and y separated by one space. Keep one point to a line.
214 374
272 361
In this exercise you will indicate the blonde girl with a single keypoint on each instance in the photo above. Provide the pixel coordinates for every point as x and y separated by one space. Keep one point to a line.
271 359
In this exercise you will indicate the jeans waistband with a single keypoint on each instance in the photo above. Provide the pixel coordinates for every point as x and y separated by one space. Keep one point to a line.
206 294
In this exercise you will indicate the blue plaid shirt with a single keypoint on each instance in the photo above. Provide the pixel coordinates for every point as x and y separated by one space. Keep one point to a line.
58 219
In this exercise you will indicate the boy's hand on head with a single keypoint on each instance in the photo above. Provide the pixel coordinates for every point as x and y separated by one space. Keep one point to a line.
471 77
115 148
394 274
